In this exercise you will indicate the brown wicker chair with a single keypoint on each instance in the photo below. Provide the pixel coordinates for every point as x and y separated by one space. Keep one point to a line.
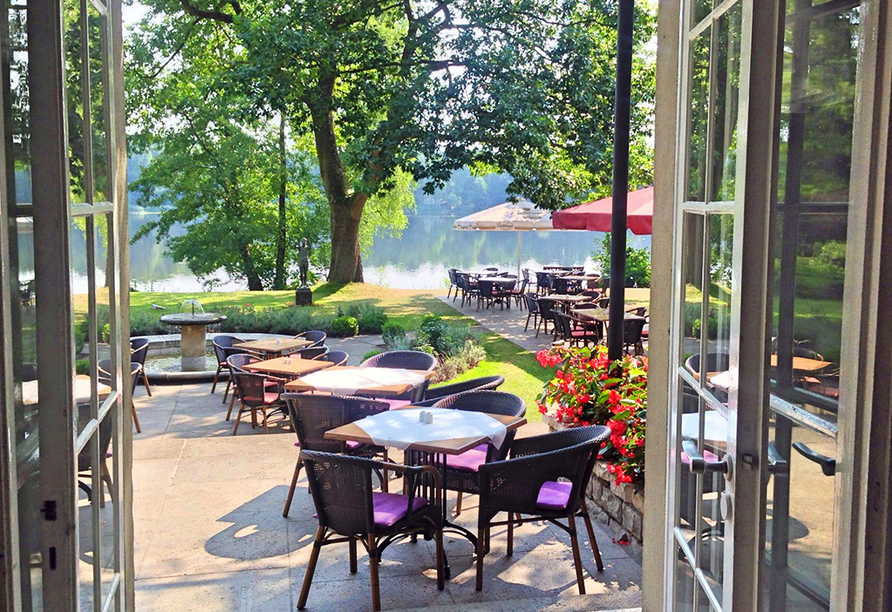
254 393
316 336
139 350
545 479
576 332
460 473
313 415
346 506
532 311
437 394
339 358
105 377
547 308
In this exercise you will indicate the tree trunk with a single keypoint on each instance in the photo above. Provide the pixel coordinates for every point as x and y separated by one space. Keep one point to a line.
254 282
279 277
345 207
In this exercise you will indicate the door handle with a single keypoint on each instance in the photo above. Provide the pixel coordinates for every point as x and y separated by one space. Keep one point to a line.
828 464
699 465
777 465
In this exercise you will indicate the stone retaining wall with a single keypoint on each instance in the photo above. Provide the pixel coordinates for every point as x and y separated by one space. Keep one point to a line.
619 508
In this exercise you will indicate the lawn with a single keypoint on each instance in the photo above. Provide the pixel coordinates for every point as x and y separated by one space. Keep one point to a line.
523 374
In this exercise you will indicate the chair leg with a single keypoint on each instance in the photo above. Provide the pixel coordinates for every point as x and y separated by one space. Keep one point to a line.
238 418
373 574
106 478
294 478
216 378
458 503
527 324
231 403
265 419
353 564
311 568
441 555
510 533
591 537
226 391
481 545
574 542
145 381
135 417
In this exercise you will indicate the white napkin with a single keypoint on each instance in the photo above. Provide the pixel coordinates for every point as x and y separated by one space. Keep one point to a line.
401 428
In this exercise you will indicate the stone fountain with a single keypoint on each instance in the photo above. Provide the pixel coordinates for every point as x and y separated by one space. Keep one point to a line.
193 322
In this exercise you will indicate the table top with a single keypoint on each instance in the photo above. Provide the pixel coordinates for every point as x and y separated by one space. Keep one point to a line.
566 297
297 367
300 386
601 314
451 446
275 345
497 279
804 364
582 277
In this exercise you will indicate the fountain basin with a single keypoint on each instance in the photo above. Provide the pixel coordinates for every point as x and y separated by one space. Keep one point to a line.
193 323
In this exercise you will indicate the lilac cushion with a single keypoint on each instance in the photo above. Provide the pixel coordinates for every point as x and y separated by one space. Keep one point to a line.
469 460
554 495
394 403
353 445
270 398
391 507
709 456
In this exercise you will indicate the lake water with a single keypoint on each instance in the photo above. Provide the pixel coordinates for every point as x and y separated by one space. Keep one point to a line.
418 259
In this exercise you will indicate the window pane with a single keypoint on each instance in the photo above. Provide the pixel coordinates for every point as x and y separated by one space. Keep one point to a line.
711 533
698 121
686 519
85 502
84 356
692 277
726 90
98 104
74 75
721 243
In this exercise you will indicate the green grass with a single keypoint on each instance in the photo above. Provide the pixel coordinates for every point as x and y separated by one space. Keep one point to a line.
523 375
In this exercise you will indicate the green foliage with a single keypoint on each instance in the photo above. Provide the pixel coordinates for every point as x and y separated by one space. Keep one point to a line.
391 331
371 318
637 262
82 366
371 354
343 326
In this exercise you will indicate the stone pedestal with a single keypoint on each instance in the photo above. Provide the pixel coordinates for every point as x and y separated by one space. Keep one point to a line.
303 296
193 348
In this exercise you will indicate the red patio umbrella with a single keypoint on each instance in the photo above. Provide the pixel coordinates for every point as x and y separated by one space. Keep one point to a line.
595 216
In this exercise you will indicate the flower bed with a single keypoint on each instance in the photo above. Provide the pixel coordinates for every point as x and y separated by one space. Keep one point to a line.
589 389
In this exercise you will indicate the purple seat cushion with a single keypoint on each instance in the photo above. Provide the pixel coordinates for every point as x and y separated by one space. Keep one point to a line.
270 398
469 460
391 507
709 456
394 403
353 445
554 495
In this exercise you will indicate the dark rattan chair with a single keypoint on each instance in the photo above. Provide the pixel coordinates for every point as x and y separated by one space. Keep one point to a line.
139 349
312 415
316 336
409 360
545 479
490 294
487 383
469 288
255 393
633 335
532 311
105 377
575 331
84 463
237 363
453 284
347 506
339 358
460 473
518 293
220 344
311 352
547 308
543 283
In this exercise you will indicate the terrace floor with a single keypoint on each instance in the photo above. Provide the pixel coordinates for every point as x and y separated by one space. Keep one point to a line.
210 536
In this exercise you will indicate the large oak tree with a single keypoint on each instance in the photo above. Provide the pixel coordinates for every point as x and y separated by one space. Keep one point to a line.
427 87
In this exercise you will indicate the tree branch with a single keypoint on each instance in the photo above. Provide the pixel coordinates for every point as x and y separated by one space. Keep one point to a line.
213 15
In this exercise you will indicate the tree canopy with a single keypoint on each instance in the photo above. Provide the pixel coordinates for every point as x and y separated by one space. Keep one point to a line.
381 92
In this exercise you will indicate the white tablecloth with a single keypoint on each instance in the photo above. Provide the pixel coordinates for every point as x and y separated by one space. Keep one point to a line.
348 382
715 427
401 428
81 391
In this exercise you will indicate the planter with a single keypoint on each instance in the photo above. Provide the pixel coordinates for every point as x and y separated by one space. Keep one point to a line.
619 508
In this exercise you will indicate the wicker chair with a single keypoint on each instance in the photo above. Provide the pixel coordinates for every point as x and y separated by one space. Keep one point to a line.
633 335
85 464
255 393
531 283
347 506
316 336
543 283
139 349
546 480
532 311
490 294
311 352
339 358
312 415
105 377
469 288
237 363
460 473
518 293
487 383
221 344
409 360
574 331
547 308
453 284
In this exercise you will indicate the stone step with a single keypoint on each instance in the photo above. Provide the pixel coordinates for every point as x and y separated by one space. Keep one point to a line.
572 603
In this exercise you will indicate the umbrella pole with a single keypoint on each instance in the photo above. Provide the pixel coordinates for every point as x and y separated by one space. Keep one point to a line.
618 222
518 255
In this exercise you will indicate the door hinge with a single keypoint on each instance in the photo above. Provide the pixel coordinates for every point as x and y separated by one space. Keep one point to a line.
48 510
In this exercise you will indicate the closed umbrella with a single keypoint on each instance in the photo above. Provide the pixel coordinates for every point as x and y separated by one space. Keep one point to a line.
597 216
522 216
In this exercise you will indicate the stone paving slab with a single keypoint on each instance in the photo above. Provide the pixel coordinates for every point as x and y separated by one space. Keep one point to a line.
210 536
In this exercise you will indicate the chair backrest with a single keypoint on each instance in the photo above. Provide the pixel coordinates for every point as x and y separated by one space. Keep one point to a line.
251 388
560 285
526 274
451 272
715 362
316 336
487 288
311 352
474 384
338 358
604 302
547 308
409 360
238 362
139 349
532 303
491 402
543 279
490 269
105 377
564 324
641 311
342 491
312 415
632 330
221 343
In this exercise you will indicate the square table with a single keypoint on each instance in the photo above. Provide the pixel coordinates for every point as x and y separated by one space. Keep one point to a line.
601 314
279 366
275 346
804 365
435 454
300 386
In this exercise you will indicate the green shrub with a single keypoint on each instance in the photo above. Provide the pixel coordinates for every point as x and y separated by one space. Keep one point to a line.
372 322
637 262
82 366
343 326
400 343
371 354
392 330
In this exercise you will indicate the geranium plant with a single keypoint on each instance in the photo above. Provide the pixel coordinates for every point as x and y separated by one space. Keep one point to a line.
590 389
